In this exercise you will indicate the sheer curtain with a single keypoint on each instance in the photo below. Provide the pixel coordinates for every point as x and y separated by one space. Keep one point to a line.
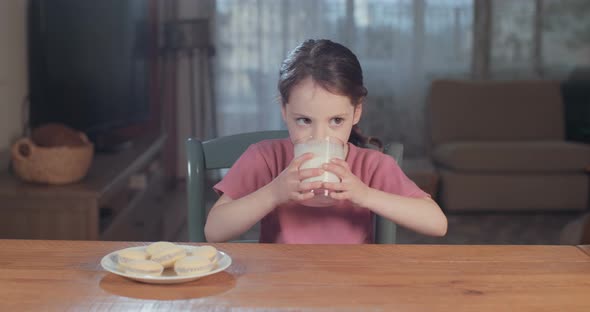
538 38
401 44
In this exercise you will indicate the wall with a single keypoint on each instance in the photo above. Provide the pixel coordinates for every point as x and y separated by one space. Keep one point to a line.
13 74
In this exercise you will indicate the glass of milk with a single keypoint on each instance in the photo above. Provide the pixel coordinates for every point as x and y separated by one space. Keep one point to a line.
323 149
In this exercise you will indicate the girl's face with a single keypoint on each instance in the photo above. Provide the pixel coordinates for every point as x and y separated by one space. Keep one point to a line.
314 111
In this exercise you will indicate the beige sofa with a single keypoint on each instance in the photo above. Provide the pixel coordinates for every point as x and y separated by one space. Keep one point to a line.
501 146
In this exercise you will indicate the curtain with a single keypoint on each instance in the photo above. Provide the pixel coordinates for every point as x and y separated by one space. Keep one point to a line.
402 46
189 46
538 38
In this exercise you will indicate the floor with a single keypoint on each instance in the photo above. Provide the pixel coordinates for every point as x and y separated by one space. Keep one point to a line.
539 228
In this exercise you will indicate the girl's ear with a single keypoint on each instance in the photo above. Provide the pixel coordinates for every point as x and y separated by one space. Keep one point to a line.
358 111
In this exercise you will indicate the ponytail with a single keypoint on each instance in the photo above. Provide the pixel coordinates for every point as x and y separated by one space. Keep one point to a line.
358 139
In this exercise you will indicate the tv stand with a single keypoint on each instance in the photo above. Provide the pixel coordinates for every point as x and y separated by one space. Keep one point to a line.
119 199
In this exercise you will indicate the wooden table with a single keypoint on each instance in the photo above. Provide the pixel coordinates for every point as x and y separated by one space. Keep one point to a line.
66 275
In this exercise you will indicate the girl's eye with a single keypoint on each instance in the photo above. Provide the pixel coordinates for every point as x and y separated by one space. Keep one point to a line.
337 121
303 121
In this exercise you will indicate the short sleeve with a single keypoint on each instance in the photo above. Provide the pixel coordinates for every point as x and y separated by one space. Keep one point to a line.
248 174
390 178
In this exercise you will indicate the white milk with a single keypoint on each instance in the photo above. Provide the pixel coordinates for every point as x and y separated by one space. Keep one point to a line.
323 150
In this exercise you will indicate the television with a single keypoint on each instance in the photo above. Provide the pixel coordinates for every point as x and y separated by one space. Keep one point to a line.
91 64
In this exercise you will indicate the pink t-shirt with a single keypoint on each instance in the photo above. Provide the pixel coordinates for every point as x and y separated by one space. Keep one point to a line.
297 224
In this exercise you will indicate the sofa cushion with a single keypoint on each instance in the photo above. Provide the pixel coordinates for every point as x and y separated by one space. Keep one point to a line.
534 156
464 191
464 110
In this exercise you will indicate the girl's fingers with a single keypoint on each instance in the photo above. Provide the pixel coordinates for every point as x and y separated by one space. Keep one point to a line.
308 173
337 169
340 162
302 196
334 186
296 163
308 186
340 196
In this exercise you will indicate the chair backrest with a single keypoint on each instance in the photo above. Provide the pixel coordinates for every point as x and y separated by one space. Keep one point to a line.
221 153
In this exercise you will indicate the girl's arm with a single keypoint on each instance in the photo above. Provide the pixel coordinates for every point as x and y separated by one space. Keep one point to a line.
230 218
422 215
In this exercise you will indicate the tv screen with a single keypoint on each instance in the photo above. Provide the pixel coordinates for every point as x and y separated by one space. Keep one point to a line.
89 63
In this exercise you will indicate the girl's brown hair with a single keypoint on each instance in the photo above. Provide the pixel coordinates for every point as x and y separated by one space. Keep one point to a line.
335 68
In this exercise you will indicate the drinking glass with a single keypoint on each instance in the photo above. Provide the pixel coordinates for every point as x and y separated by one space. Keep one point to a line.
323 149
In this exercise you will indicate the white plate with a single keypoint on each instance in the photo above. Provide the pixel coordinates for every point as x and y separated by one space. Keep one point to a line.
109 263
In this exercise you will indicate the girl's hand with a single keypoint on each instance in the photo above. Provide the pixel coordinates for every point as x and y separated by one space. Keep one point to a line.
350 188
289 186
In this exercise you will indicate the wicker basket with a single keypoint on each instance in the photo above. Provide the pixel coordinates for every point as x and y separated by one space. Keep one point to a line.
51 165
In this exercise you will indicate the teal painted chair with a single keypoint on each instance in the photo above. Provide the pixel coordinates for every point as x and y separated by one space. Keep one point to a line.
222 152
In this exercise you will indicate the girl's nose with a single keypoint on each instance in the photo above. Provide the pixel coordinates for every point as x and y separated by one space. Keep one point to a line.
319 132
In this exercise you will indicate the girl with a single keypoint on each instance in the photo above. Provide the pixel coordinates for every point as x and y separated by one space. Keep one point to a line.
322 93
